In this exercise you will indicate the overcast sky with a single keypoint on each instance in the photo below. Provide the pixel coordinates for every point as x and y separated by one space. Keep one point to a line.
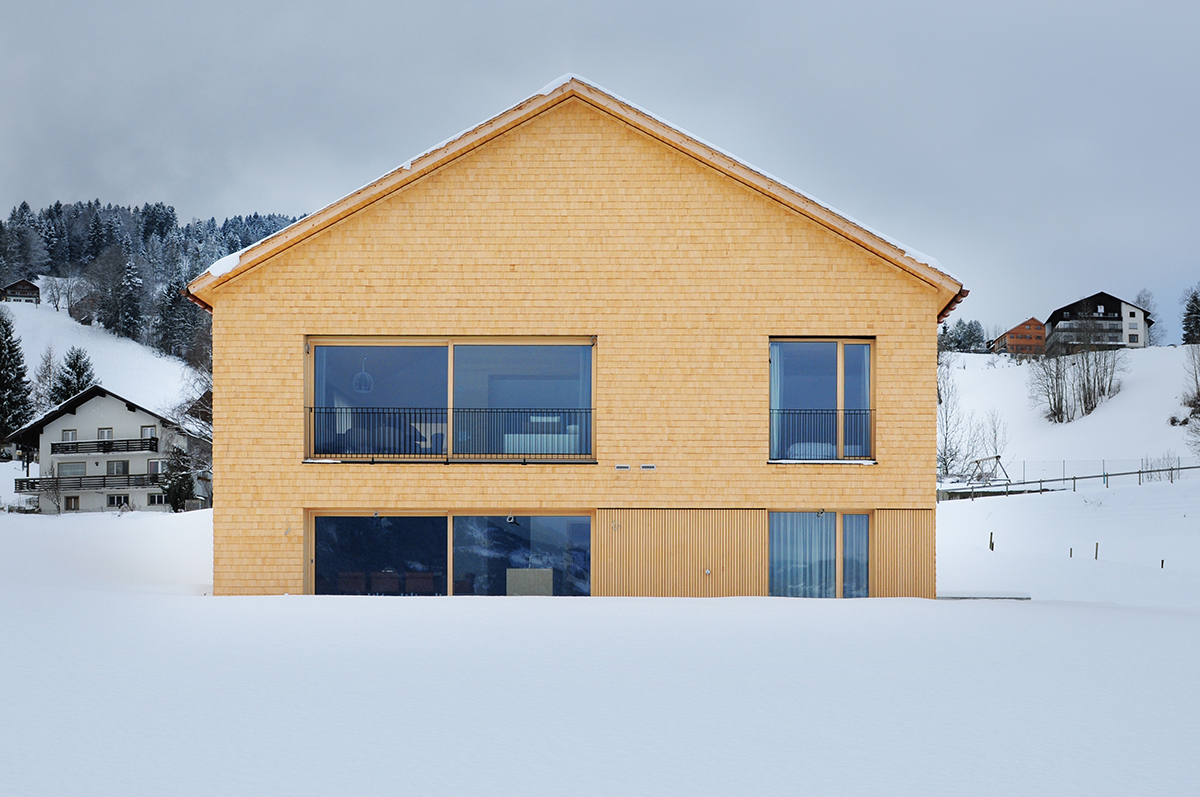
1042 151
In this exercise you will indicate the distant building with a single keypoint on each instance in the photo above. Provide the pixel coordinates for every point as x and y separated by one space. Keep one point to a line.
1027 337
99 451
22 291
1100 319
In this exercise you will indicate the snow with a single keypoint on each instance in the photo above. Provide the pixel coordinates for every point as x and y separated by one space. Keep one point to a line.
226 264
124 366
1129 426
222 267
122 678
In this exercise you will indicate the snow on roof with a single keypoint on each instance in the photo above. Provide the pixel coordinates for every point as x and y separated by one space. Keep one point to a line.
230 262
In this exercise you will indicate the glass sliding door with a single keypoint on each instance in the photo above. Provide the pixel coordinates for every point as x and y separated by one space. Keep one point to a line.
380 555
856 556
802 554
379 401
522 555
519 401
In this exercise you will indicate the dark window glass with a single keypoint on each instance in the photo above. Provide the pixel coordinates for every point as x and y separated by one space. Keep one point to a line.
380 556
805 415
522 555
855 556
380 400
522 400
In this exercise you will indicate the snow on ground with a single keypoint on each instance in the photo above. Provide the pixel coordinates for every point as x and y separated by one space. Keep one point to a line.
124 366
1129 426
121 677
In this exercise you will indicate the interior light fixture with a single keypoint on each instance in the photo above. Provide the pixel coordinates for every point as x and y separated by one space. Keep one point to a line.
363 382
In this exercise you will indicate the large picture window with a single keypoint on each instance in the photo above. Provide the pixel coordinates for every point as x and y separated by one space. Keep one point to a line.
515 402
821 400
380 555
489 555
806 561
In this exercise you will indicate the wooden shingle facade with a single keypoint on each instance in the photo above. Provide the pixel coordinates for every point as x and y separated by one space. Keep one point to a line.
571 352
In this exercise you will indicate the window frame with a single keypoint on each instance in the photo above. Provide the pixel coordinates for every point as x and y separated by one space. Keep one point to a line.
108 467
841 341
111 504
100 433
70 435
839 547
311 515
156 499
70 503
311 343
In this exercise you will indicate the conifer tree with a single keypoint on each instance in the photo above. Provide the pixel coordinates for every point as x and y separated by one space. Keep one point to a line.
16 405
1191 316
180 486
74 377
129 302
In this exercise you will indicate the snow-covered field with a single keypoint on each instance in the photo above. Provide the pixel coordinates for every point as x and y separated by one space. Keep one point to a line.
121 675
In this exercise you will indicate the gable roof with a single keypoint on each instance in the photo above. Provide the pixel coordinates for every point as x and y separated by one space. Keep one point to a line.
917 265
28 434
25 285
1089 303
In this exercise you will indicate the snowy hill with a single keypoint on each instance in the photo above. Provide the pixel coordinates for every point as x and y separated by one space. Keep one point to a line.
1129 426
124 366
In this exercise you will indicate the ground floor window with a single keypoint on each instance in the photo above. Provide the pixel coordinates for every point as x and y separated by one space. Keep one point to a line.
459 554
522 555
116 501
71 503
156 499
805 557
372 555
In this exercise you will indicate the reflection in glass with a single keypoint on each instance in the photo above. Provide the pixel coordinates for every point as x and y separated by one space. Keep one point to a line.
380 400
802 554
855 558
380 556
804 400
522 555
522 400
857 400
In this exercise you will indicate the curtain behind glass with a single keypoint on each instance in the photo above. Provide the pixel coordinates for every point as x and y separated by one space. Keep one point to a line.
802 557
855 555
776 397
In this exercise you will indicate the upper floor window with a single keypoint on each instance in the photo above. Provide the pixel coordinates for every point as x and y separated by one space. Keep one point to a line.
148 432
70 435
508 401
118 467
821 405
104 434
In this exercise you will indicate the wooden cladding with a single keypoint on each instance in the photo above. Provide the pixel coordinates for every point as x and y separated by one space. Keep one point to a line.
902 554
680 552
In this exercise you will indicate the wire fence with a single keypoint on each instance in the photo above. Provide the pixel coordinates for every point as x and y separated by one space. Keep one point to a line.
1110 473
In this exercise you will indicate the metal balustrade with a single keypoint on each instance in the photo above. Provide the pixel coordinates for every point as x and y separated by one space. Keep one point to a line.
356 433
61 483
105 446
813 434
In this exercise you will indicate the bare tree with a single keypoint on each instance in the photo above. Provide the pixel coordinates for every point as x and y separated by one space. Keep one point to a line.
995 434
958 433
50 489
1145 300
1191 382
1048 383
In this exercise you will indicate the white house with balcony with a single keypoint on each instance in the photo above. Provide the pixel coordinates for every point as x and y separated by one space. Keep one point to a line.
98 452
1100 320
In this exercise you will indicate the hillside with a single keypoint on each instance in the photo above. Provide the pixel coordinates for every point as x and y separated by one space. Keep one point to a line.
1129 426
122 365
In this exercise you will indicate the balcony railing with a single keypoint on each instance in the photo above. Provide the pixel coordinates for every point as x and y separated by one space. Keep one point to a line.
813 434
523 434
383 432
356 433
62 483
105 446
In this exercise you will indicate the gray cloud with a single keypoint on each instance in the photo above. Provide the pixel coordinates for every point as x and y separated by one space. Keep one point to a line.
1041 150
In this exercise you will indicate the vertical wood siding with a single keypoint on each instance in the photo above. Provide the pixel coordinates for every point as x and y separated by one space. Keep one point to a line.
902 554
665 552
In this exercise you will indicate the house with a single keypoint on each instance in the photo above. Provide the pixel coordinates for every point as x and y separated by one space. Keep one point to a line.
575 351
1100 319
98 452
1026 338
21 291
